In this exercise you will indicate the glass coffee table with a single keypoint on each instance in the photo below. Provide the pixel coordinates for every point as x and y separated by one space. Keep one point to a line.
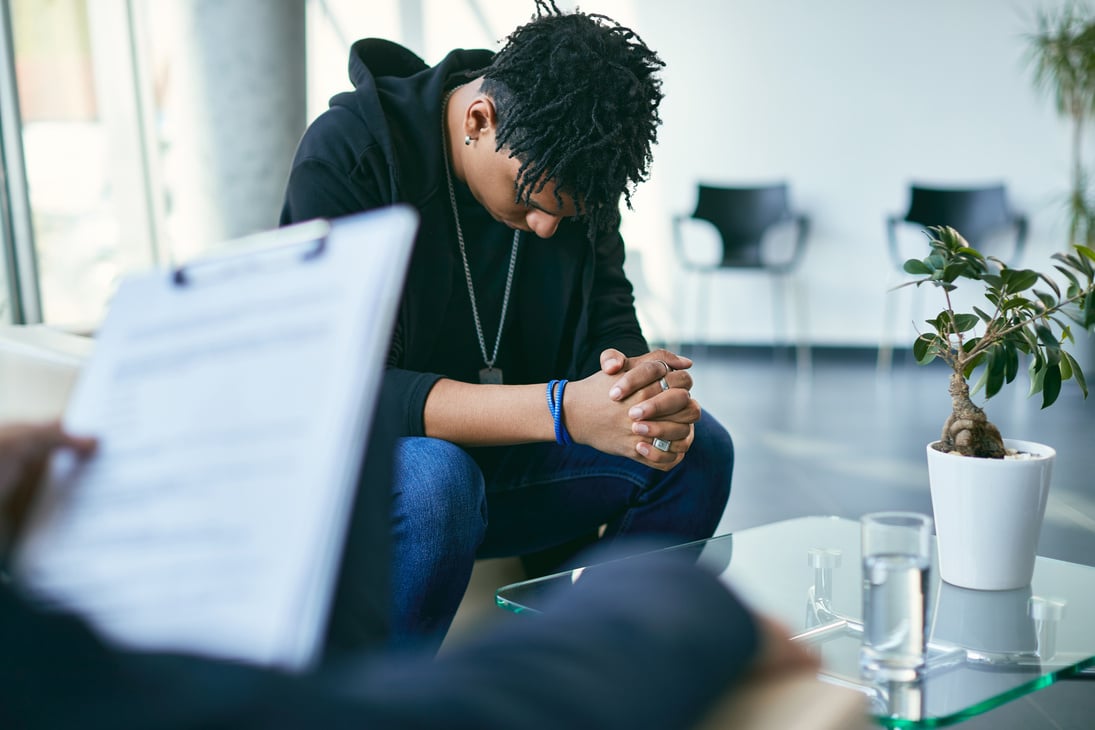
985 648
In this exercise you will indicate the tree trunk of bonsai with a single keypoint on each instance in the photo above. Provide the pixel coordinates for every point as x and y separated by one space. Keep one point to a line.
968 431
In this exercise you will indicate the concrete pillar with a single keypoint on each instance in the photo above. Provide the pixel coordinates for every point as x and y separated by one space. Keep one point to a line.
234 108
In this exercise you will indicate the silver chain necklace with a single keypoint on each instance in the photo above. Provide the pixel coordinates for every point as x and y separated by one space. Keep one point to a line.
489 374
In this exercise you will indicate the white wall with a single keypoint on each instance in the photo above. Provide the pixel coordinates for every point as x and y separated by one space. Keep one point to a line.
848 100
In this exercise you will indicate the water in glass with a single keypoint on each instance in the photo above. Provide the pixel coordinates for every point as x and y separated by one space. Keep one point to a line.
894 606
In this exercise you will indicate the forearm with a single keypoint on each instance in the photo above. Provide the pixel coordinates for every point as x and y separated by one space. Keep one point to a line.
497 415
637 644
488 415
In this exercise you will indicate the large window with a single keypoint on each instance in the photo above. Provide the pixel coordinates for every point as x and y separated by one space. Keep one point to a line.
143 132
82 151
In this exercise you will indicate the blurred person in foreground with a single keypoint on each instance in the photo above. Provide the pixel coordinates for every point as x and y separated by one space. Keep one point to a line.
610 653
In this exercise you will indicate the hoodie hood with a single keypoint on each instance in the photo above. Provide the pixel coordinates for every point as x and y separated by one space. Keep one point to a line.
399 98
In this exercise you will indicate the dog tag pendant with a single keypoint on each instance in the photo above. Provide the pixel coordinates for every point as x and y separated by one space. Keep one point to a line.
491 376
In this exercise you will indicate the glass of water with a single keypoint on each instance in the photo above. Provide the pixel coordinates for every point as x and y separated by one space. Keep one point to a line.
896 549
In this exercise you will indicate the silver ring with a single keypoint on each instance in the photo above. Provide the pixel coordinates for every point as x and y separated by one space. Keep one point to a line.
664 384
661 444
667 368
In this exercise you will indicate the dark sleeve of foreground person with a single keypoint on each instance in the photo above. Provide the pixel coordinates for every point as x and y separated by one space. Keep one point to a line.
610 654
644 643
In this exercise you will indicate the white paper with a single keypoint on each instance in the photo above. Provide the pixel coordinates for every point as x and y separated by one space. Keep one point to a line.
232 414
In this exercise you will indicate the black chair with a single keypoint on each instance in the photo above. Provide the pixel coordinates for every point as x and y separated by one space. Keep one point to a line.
981 214
978 213
743 217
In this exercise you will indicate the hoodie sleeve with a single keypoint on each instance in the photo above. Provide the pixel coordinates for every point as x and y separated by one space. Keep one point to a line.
606 653
340 169
612 319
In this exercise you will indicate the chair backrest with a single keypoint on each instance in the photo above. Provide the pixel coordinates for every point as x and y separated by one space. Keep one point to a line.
742 215
976 213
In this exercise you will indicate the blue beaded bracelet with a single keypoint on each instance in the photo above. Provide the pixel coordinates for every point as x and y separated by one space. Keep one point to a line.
555 406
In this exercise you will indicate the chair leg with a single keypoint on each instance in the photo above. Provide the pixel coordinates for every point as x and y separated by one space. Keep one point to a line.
699 335
681 309
885 341
782 291
779 315
803 355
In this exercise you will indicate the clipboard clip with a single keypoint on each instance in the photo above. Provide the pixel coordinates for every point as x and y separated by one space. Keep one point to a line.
260 250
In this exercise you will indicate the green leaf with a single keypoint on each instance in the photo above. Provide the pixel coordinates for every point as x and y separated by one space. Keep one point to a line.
980 384
1072 262
1037 377
1077 373
923 350
1014 303
1066 366
1076 315
965 322
1052 285
984 317
1066 331
916 267
972 365
1086 252
995 371
1069 275
953 271
1051 386
1029 338
1011 361
1018 280
1050 343
1048 300
1083 264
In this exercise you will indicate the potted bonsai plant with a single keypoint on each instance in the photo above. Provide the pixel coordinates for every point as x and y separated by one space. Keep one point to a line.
989 493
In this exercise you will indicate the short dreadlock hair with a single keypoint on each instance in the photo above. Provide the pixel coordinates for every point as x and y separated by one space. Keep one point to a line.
577 98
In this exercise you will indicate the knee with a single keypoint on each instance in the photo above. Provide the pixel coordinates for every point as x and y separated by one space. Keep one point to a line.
439 493
713 440
713 448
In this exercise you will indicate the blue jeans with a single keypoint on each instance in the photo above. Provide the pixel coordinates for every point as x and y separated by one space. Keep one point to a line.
453 505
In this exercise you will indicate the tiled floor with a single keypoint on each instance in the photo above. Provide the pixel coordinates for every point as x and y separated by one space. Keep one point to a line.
845 440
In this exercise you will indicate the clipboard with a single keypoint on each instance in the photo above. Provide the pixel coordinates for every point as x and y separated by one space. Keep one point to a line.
232 398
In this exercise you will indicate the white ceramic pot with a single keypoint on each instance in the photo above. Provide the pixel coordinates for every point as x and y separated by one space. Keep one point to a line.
988 515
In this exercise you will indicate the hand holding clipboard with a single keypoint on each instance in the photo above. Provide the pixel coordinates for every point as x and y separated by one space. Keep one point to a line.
232 399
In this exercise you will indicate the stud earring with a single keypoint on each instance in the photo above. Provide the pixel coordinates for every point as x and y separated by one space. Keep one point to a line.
467 140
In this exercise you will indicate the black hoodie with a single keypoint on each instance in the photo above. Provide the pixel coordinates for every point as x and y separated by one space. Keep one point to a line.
381 144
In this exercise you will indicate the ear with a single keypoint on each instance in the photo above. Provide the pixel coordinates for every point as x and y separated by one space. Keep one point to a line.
480 117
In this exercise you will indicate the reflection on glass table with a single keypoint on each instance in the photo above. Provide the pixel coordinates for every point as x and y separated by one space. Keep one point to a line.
985 648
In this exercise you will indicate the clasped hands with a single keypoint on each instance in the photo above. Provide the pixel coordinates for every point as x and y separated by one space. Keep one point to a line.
650 412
